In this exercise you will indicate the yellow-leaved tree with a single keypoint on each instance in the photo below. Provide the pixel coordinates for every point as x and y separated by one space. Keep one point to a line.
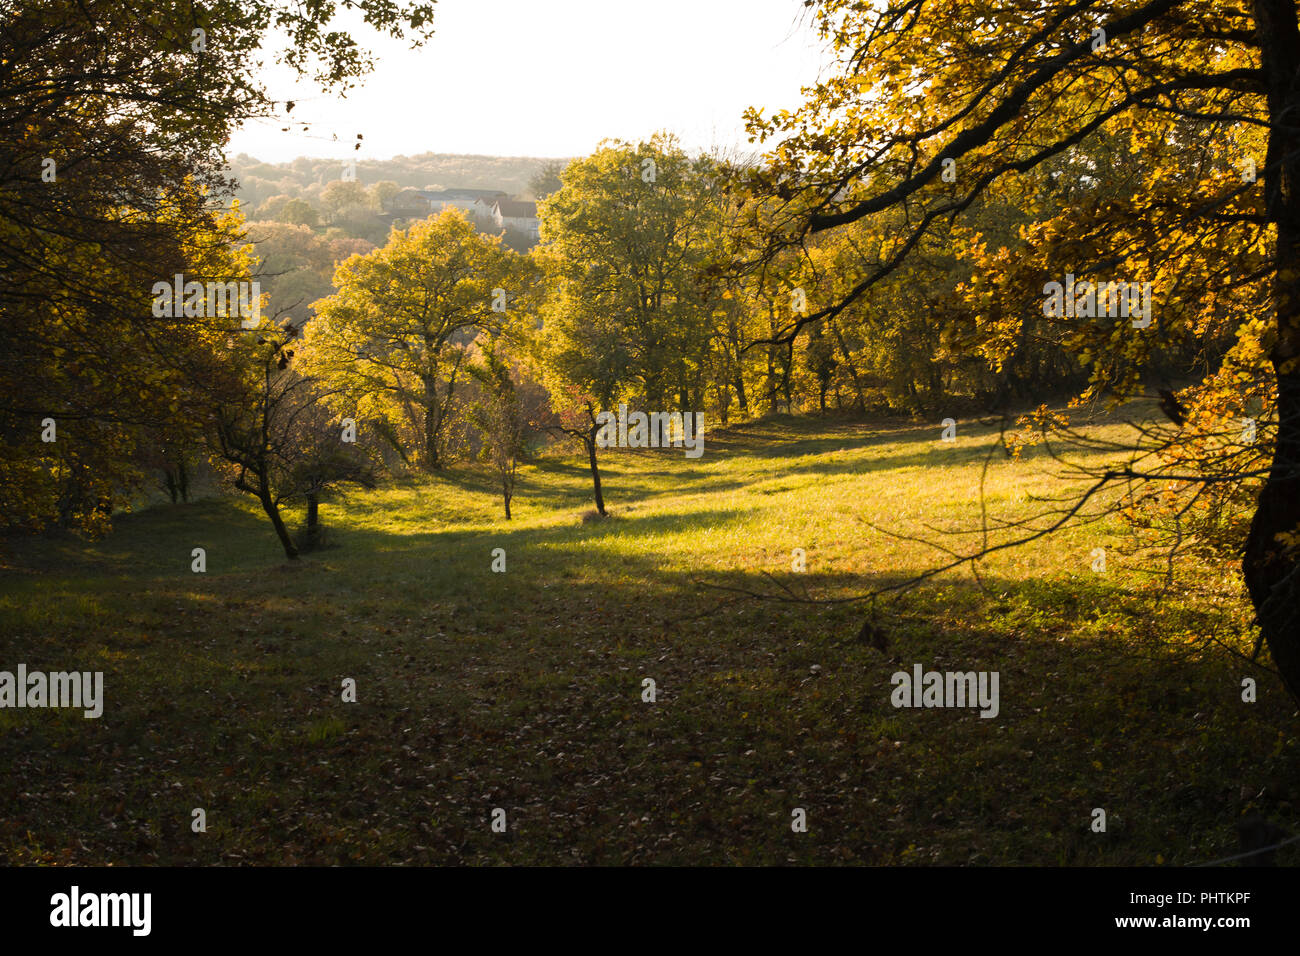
394 341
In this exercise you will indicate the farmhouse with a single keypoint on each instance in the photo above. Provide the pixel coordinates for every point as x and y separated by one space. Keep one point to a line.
515 214
411 203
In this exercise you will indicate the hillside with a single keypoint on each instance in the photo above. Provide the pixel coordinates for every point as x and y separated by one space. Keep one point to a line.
259 181
524 690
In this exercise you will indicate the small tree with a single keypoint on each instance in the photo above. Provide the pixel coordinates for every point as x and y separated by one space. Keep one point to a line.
279 446
299 212
324 461
547 179
342 198
382 193
572 414
499 416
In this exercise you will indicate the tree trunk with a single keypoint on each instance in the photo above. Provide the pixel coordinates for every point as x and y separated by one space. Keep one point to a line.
313 517
1271 569
787 366
273 512
771 360
853 370
432 423
741 399
590 442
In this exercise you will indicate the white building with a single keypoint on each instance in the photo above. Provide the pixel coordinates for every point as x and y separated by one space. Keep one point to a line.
411 203
517 215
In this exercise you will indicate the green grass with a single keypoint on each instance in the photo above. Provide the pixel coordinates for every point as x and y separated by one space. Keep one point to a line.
523 690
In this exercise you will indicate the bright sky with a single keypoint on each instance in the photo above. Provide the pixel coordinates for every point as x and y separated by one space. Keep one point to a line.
553 78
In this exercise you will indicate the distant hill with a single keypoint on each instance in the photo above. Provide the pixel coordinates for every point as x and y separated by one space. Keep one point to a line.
305 177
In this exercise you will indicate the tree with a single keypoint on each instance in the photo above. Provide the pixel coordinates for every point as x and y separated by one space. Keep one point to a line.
623 246
820 360
277 442
345 199
395 337
499 416
326 460
272 208
252 430
99 385
382 193
547 179
295 267
298 212
571 413
1200 94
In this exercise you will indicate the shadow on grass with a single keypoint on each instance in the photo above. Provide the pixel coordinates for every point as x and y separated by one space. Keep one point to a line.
524 690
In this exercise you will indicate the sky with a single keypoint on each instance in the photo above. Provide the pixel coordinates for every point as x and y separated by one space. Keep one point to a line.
553 78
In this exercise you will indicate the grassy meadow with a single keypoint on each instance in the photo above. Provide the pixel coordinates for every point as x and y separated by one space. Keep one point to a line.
523 690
